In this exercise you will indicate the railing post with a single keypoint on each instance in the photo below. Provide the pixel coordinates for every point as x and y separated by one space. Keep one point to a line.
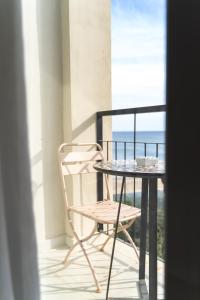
99 138
134 156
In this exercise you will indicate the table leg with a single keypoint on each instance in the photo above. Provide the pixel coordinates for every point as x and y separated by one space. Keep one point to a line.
143 228
153 239
115 236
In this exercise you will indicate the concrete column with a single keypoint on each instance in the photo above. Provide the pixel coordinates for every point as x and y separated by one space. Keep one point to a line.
43 65
86 81
68 69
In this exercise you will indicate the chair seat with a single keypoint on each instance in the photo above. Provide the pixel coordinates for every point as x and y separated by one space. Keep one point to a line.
106 212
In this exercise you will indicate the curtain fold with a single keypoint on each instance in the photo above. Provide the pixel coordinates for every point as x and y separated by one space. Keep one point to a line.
18 253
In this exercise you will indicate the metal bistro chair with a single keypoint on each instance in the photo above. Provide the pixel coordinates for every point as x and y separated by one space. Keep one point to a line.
104 211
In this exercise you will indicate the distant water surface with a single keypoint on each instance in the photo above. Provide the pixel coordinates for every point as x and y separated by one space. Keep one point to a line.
122 150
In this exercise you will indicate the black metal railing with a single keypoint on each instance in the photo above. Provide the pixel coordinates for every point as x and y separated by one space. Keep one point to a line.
131 149
128 111
146 152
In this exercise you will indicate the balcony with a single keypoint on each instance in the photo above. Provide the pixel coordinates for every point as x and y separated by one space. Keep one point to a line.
68 64
67 72
76 282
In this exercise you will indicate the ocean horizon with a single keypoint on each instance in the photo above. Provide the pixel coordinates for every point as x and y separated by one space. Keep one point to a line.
151 143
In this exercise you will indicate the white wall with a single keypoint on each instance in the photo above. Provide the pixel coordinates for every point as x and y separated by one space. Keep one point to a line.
68 79
87 80
43 64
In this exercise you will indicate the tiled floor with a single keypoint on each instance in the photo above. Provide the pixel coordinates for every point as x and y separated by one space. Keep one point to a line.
76 281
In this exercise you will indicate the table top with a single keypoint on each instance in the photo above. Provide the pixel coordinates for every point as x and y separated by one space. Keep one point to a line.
129 168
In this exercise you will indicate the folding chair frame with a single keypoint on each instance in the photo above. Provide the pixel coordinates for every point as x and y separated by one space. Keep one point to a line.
79 158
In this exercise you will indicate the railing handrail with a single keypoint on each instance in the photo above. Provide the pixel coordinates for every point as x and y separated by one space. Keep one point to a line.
134 110
129 142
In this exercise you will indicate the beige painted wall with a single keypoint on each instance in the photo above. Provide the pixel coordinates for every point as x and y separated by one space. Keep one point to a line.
68 79
87 80
43 65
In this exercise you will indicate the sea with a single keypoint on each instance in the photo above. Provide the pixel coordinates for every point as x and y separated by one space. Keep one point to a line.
148 143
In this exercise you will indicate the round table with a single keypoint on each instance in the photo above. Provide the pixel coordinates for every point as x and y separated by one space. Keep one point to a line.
149 175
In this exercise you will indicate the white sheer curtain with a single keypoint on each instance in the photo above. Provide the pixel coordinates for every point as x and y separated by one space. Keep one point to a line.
18 261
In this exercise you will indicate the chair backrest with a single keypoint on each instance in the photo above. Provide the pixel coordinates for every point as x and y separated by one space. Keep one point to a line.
79 158
79 161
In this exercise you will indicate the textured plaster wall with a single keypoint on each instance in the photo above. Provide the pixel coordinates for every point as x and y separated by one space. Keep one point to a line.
68 78
87 82
43 66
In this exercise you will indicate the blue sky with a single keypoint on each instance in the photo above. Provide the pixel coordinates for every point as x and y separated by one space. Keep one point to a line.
138 59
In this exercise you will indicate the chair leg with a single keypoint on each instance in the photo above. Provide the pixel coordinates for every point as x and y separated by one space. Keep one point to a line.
82 239
108 238
105 243
131 241
80 242
98 290
69 252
